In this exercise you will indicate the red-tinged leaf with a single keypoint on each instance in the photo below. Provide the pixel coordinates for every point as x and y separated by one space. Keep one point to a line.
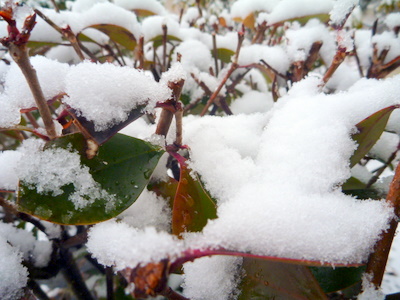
275 280
122 168
193 207
100 137
117 34
369 132
165 189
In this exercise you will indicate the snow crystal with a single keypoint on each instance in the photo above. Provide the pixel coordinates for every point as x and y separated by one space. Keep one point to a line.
252 102
214 278
13 276
118 244
8 177
105 93
340 10
362 43
50 169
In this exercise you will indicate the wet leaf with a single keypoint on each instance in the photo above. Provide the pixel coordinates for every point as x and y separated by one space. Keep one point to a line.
369 132
122 168
165 189
276 280
193 207
117 34
339 278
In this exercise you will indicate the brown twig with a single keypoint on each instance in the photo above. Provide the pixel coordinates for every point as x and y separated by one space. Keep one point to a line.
336 62
233 67
65 32
215 52
20 55
377 260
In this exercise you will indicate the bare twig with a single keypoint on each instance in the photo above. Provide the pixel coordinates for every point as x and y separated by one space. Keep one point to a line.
215 53
336 62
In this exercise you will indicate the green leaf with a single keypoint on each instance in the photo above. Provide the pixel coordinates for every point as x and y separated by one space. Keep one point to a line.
338 278
140 12
122 168
369 132
193 207
324 18
276 280
224 54
117 34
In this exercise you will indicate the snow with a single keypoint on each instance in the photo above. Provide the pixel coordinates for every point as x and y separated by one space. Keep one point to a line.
387 41
17 94
243 8
118 89
252 102
370 292
341 8
13 275
393 20
149 5
215 278
148 210
300 40
274 56
130 246
195 54
152 27
287 9
8 176
48 170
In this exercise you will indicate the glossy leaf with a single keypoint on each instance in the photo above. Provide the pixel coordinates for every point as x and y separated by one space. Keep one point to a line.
117 34
224 54
100 137
369 131
165 189
338 278
276 280
193 207
122 168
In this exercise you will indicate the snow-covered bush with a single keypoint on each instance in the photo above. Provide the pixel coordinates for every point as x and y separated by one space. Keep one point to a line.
198 149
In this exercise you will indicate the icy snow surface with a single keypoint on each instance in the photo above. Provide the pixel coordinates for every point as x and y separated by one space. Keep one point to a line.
275 177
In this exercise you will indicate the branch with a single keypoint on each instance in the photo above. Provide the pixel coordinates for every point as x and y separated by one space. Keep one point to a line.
378 259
